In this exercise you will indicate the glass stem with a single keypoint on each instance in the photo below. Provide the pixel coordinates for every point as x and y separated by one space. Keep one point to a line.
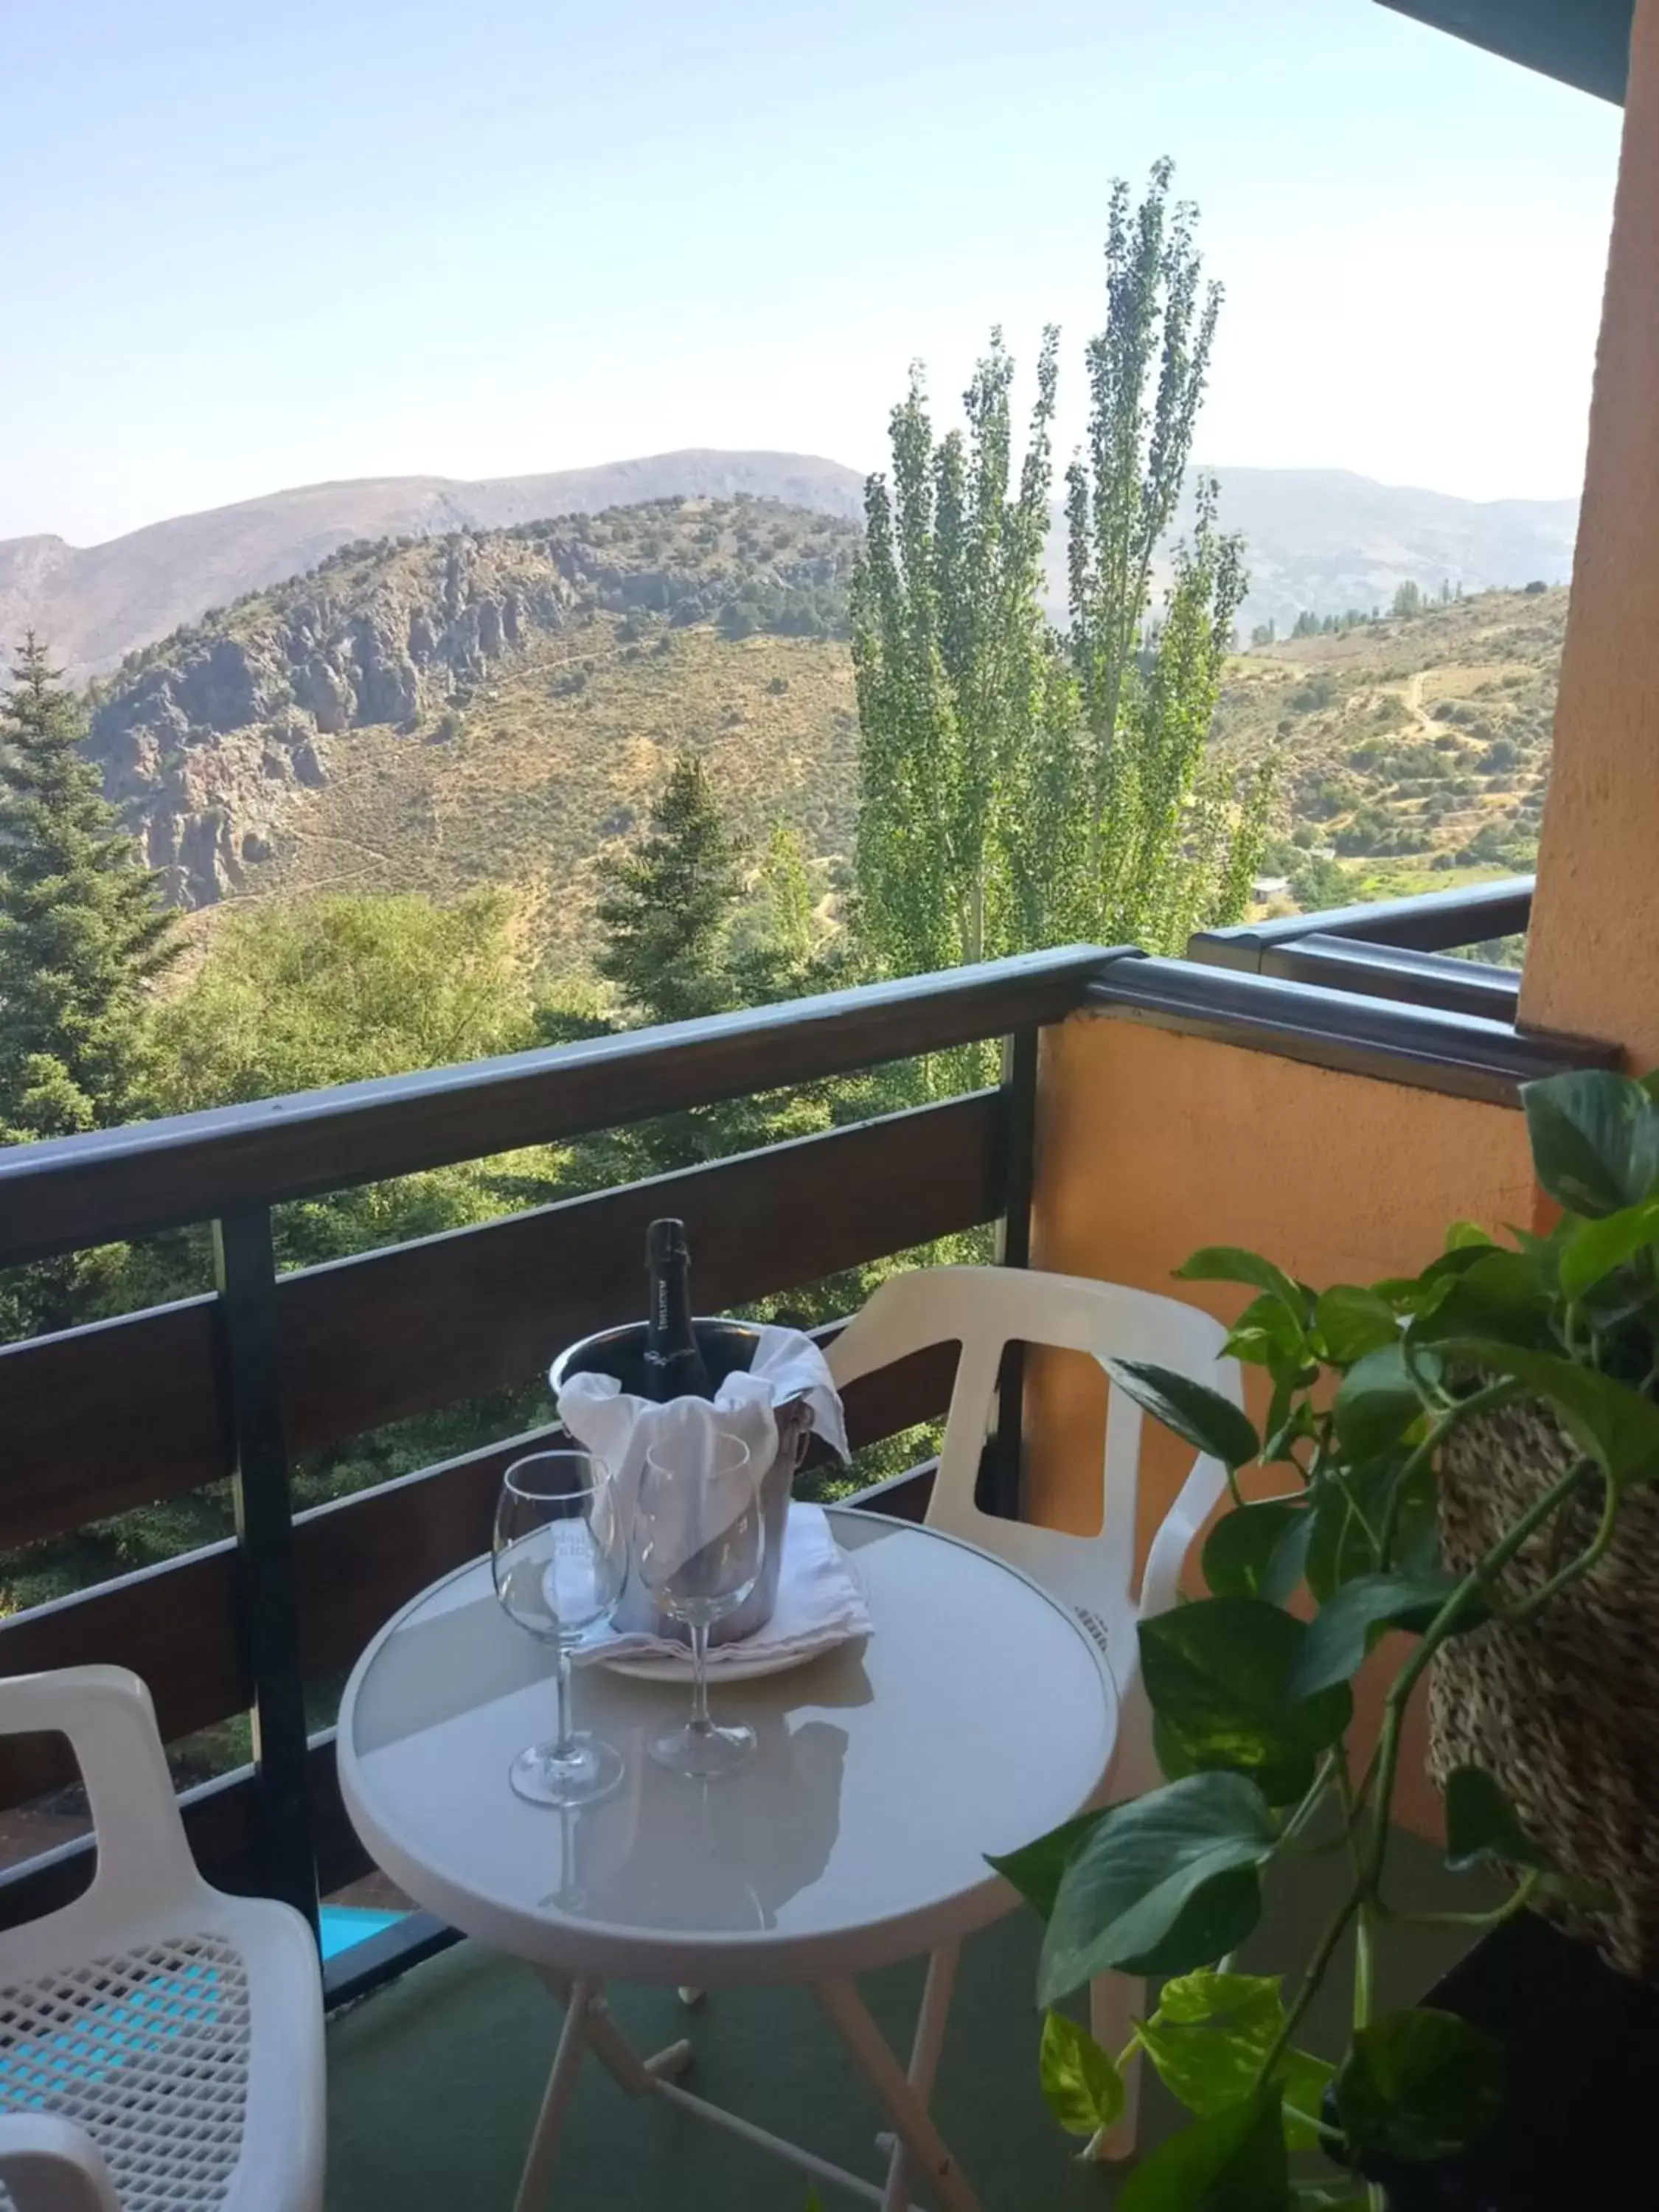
566 1745
701 1723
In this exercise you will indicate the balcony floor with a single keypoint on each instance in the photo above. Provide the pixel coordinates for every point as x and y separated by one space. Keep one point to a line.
434 2082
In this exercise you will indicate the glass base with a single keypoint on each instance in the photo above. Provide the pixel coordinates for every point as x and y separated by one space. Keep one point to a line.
590 1770
705 1754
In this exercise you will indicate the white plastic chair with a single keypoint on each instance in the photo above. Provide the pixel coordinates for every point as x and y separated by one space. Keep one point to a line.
984 1309
161 2042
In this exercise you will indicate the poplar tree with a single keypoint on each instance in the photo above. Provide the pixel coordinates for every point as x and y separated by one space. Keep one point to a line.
951 656
1021 786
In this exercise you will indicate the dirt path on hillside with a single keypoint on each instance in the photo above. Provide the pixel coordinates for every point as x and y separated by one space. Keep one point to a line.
1414 696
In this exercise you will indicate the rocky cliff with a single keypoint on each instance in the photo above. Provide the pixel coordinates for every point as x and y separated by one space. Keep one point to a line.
211 739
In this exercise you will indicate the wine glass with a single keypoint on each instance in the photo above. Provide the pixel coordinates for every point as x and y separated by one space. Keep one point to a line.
559 1560
698 1541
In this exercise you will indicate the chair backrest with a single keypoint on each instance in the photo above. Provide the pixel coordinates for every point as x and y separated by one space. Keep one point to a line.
144 1862
984 1309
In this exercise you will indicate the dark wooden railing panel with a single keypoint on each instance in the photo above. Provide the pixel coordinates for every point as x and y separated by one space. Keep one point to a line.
76 1191
177 1624
359 1559
126 1412
102 1418
372 1340
356 1560
221 1820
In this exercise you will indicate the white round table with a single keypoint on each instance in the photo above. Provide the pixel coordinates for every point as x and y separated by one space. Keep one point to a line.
978 1715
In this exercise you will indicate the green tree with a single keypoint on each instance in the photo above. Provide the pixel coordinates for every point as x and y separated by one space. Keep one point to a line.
953 661
1408 600
340 989
82 935
1019 789
1126 864
668 904
82 929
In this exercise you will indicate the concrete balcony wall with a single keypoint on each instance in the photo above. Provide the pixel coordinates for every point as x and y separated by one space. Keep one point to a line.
1150 1143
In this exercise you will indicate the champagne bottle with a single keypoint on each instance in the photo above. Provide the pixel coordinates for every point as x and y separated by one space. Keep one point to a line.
674 1364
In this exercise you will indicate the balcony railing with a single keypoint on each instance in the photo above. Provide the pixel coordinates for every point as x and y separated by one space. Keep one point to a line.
1393 949
227 1386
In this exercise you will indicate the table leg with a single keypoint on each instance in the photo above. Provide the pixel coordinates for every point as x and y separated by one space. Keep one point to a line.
924 2062
556 2101
920 2140
638 2077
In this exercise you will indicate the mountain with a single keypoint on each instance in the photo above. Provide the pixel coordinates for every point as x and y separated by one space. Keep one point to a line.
433 713
1417 749
96 603
1319 538
1327 540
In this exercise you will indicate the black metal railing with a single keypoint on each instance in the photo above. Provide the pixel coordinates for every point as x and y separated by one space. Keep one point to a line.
1393 949
229 1385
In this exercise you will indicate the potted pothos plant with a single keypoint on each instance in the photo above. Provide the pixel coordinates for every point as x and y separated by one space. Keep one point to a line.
1375 1391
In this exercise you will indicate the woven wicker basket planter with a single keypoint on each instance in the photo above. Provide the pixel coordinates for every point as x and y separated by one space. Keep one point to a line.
1562 1712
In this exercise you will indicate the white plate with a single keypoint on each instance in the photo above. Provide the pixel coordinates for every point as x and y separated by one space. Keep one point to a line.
726 1670
730 1670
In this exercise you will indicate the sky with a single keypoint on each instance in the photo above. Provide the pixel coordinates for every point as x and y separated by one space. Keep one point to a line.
244 246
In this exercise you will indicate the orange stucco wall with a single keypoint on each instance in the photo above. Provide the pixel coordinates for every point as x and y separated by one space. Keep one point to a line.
1150 1143
1593 958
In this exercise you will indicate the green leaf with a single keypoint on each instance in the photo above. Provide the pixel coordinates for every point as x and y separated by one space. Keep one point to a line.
1211 2035
1218 1675
1346 1625
1268 1334
1305 2080
1192 1410
1234 2161
1081 2085
1229 1263
1417 1521
1504 1294
1595 1249
1291 1420
1468 1237
1615 1426
1340 1544
1377 1403
1481 1825
1164 1883
1594 1140
1419 2085
1036 1868
1351 1322
1240 1550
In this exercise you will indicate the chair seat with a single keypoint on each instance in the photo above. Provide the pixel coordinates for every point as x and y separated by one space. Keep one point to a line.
149 2050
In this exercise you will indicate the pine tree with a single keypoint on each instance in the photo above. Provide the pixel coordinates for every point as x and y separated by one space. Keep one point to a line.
82 930
83 933
668 905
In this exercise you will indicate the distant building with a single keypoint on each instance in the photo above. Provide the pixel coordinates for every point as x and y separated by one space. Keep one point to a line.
1269 887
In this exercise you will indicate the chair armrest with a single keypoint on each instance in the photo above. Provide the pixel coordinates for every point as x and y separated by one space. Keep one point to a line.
1195 1501
51 2165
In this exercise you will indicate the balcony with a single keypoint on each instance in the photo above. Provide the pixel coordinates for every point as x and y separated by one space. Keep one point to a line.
1334 1089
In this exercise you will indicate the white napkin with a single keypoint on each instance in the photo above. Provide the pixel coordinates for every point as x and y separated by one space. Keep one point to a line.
820 1605
618 1429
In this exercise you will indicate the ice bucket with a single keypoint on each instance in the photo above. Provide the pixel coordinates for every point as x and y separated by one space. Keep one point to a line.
727 1348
